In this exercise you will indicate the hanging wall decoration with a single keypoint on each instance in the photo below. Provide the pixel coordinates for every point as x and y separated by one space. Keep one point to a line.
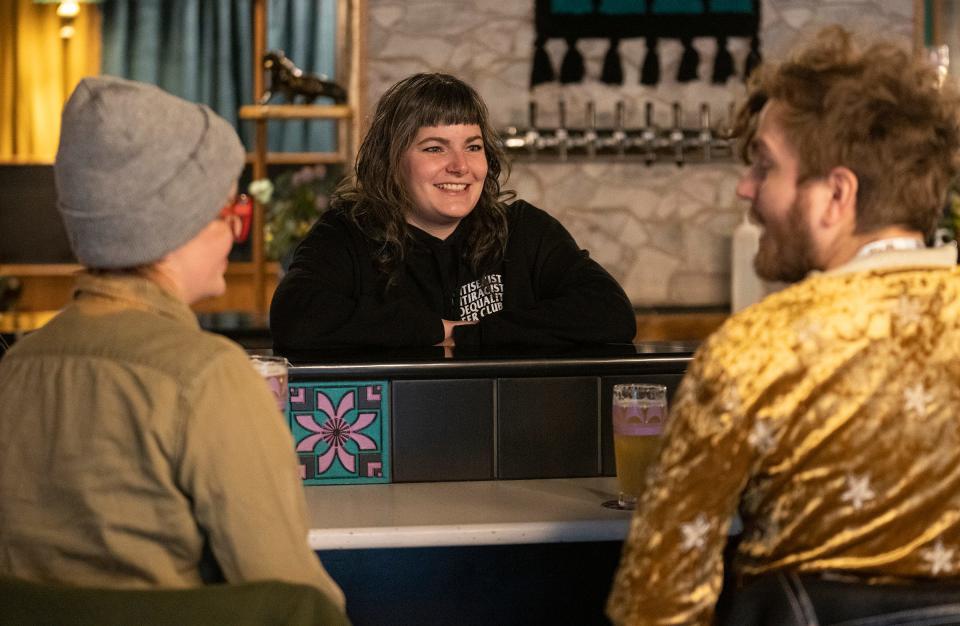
651 20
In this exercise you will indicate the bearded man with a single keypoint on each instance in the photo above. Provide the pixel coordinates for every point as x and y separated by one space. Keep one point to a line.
825 415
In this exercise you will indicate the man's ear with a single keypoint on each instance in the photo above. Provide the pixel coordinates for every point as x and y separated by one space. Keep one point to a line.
842 206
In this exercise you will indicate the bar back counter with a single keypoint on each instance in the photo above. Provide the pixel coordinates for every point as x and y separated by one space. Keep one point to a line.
468 489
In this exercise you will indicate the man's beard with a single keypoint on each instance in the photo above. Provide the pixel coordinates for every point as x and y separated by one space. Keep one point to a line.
785 248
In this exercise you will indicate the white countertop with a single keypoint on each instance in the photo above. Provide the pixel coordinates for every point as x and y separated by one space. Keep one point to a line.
405 515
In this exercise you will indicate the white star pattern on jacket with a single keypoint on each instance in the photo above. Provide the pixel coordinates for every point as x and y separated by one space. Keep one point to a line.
858 491
761 437
730 401
938 557
695 532
908 311
808 332
916 398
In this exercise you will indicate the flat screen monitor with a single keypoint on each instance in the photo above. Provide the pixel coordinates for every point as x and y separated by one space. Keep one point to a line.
31 230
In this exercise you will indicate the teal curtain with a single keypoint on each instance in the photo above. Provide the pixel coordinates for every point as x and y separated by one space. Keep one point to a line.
201 50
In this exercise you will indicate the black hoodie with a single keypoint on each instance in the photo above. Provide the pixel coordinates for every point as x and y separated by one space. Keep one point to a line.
547 291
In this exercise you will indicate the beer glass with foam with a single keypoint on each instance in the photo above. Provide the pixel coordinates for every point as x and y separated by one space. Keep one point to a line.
639 413
274 371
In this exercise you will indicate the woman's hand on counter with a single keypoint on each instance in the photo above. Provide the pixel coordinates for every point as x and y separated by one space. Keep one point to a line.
448 327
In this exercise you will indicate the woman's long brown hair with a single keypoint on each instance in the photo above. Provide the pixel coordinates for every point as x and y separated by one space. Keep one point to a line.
376 197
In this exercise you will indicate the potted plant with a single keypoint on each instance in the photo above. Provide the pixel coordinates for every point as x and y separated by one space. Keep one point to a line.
292 202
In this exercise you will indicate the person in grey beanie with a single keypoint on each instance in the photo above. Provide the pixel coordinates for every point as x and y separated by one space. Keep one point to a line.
136 450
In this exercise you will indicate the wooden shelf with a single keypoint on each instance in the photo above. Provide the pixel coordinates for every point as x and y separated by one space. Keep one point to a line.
299 158
351 63
243 293
39 269
693 326
295 112
241 268
24 321
49 287
25 160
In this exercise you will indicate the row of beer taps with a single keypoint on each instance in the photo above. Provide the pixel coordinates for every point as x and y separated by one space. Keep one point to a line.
649 143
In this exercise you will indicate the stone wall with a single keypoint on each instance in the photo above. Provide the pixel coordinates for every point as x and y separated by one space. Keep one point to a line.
663 231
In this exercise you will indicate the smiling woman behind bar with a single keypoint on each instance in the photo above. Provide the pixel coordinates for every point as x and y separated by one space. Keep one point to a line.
420 247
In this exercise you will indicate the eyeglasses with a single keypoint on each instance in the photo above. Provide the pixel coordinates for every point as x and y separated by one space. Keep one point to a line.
238 215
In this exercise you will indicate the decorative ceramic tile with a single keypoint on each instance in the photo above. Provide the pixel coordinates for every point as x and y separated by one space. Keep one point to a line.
341 431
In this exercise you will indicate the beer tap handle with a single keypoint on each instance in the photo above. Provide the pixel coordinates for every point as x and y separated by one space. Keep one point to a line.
533 134
590 134
676 135
649 135
706 132
619 123
561 132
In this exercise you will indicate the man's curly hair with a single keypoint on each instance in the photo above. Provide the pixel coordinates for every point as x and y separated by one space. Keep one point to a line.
879 111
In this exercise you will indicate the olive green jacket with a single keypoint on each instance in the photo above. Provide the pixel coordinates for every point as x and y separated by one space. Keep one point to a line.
247 604
132 443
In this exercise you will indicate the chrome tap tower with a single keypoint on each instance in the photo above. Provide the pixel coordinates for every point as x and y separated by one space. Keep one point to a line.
649 143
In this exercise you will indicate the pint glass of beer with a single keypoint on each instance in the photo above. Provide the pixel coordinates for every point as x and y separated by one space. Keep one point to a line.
274 371
639 413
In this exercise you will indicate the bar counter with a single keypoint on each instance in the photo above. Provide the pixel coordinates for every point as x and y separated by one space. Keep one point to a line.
403 416
483 552
465 513
490 470
506 361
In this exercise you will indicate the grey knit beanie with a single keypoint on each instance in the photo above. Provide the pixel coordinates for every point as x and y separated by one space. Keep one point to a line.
139 172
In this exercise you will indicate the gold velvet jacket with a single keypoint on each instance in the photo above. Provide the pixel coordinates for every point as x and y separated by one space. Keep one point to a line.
828 417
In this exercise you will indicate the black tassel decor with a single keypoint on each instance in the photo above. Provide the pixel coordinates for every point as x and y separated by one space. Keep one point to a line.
542 71
650 21
722 62
571 70
650 72
612 69
688 62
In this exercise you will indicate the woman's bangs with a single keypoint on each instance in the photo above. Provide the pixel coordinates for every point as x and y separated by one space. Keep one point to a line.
450 110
